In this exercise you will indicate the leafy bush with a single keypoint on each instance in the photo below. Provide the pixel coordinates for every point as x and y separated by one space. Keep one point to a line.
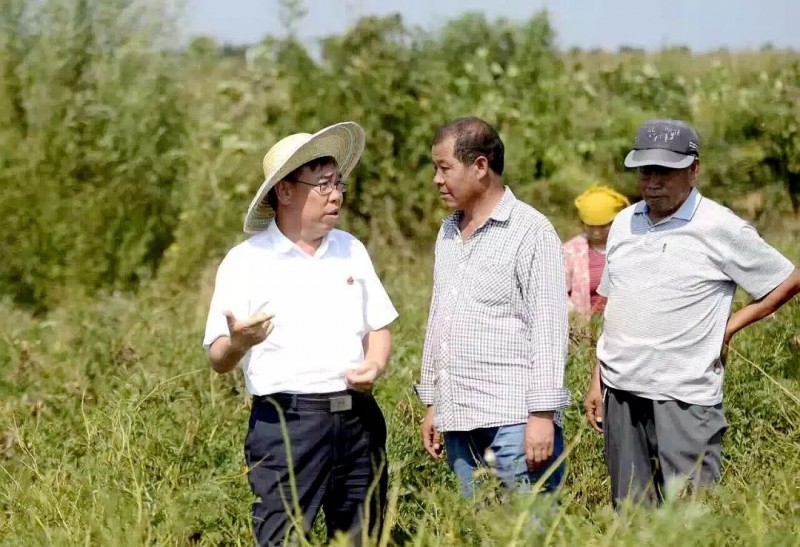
120 156
93 147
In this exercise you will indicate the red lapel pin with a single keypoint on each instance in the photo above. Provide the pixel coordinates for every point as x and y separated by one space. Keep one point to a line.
350 280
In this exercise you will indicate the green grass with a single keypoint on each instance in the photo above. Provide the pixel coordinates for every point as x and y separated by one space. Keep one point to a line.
124 166
114 431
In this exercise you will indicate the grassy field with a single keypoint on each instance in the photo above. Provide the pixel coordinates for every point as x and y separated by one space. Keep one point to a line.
113 431
126 166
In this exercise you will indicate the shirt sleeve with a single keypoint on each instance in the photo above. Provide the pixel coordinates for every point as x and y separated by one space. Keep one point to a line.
542 279
602 288
754 264
229 295
378 308
424 388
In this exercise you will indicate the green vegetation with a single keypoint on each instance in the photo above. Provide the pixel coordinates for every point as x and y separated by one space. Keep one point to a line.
126 168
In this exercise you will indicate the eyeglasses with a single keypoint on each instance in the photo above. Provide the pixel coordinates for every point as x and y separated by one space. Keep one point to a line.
326 185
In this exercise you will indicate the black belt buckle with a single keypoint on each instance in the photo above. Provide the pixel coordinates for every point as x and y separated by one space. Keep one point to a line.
341 403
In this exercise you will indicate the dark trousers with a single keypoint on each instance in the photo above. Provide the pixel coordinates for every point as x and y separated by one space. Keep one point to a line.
320 458
649 444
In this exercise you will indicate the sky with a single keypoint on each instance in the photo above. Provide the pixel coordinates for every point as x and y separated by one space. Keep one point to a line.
651 24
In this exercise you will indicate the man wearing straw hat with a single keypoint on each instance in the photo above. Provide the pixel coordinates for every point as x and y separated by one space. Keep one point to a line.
673 262
299 305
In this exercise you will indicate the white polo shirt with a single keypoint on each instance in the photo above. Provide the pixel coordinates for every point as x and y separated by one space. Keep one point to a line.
670 286
323 305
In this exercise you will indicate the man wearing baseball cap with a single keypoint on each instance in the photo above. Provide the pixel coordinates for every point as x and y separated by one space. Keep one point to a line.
300 307
673 263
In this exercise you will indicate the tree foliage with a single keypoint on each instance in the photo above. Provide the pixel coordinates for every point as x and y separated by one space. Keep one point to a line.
121 156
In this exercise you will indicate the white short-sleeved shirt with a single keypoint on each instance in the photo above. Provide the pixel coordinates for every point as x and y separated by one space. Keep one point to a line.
670 286
323 305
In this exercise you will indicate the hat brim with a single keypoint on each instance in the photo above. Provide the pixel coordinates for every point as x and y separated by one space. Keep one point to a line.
660 157
342 141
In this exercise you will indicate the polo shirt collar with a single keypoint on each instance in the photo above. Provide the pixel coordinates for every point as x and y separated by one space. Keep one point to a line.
685 211
285 246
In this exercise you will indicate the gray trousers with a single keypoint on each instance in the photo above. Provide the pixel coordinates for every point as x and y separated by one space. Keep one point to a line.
650 443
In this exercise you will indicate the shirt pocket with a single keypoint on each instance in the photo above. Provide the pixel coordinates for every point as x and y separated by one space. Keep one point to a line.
681 267
492 282
349 304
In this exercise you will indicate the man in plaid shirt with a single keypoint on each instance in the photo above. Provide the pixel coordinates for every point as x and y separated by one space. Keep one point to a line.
496 343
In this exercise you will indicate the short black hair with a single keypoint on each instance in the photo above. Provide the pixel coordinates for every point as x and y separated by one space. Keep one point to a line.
272 197
474 137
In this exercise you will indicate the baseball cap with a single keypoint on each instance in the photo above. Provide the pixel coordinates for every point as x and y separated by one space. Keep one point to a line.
664 142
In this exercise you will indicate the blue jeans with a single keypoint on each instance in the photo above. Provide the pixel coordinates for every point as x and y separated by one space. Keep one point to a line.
466 449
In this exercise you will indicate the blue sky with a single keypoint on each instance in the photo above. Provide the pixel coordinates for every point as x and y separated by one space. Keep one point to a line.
700 24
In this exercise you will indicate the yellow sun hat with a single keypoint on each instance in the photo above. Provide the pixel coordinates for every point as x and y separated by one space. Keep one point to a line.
598 205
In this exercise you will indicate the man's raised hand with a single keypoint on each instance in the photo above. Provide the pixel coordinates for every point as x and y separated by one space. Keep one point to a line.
246 333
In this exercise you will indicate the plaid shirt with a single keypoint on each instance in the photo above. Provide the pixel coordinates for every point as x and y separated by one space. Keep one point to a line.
496 343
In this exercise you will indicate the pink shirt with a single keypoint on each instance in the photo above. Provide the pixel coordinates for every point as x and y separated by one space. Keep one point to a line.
584 270
597 262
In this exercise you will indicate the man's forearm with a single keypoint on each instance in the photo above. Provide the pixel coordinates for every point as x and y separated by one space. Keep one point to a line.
768 305
596 383
224 356
378 347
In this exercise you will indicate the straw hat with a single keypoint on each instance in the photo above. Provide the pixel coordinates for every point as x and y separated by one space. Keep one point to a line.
344 141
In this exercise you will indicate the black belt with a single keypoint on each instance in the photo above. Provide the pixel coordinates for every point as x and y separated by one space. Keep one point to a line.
337 401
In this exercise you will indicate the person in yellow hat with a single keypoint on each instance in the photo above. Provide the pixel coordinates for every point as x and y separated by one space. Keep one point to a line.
584 254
